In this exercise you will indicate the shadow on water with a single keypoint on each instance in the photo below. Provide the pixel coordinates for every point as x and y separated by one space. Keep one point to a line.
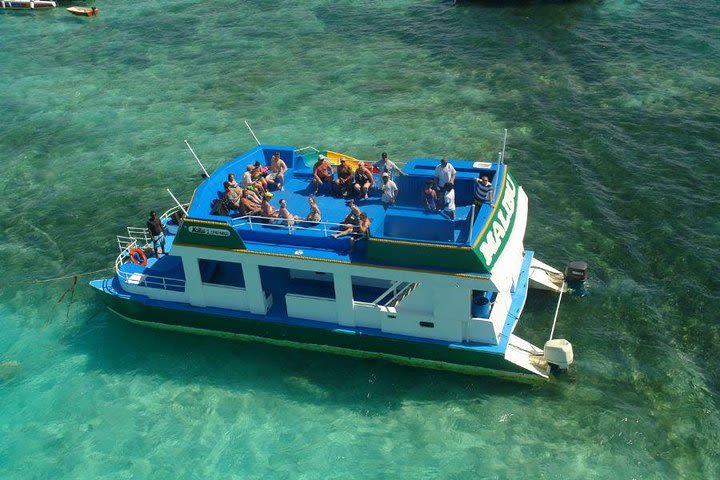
115 346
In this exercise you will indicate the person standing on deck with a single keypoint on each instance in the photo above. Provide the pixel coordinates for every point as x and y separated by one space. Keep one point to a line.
157 233
483 191
449 201
444 174
385 165
389 191
429 196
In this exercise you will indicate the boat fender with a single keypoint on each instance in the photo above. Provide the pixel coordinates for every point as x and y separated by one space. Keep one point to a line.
138 257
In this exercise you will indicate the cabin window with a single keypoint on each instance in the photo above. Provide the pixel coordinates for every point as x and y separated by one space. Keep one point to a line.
367 289
312 284
229 274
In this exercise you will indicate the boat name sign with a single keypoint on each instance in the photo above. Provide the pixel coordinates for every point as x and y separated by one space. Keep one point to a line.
215 232
499 231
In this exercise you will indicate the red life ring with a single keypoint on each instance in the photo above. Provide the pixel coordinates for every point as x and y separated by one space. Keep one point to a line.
140 259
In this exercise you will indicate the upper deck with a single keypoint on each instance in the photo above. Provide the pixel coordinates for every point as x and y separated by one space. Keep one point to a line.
404 234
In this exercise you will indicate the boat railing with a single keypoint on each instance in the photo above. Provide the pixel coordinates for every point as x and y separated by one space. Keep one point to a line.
127 244
169 213
256 221
304 149
151 281
394 294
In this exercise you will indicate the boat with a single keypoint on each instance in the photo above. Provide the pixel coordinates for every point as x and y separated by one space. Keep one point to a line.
27 4
84 11
419 289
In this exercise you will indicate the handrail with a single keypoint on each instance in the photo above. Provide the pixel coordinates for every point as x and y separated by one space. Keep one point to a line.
392 289
168 213
289 224
298 150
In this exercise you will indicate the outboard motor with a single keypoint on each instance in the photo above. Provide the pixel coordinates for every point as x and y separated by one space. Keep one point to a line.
559 354
575 276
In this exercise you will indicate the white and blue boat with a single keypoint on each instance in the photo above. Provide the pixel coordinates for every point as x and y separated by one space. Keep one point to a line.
421 289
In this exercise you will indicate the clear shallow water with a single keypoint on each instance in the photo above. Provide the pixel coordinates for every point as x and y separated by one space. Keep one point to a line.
613 113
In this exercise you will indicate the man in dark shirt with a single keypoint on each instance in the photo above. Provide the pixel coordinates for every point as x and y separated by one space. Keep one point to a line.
157 232
344 182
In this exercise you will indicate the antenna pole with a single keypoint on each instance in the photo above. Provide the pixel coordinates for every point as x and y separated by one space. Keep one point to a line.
502 157
251 132
176 201
197 159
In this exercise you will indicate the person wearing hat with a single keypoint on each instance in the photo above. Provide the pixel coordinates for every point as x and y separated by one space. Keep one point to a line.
322 173
267 210
344 182
385 165
389 191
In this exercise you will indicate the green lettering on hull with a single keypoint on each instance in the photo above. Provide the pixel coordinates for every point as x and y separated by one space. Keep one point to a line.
209 234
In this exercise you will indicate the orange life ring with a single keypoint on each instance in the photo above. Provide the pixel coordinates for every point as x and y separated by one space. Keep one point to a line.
141 258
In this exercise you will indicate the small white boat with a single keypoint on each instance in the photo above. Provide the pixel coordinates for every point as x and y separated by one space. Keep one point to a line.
27 4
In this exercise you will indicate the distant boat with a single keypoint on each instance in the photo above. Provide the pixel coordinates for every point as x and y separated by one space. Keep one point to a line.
27 4
83 11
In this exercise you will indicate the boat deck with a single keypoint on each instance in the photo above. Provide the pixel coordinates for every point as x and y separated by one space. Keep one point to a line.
406 221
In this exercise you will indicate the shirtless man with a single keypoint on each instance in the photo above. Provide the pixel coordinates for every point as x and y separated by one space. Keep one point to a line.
266 209
322 172
277 171
343 184
247 206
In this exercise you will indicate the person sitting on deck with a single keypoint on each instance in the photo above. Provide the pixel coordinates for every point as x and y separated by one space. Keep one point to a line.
314 215
248 183
231 180
389 191
351 220
429 196
322 173
385 165
361 230
232 194
259 174
449 201
285 214
267 210
277 171
483 191
157 233
344 182
247 205
363 181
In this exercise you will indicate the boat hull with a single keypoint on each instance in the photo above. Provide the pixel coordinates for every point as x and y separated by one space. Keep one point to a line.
338 341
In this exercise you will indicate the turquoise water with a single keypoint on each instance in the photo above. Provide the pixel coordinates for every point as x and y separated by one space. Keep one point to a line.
613 115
